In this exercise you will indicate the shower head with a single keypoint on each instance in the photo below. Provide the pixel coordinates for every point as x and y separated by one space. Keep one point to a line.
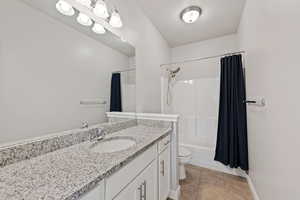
176 70
173 73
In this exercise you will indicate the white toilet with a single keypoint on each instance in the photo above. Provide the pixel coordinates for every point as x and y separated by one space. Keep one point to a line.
184 157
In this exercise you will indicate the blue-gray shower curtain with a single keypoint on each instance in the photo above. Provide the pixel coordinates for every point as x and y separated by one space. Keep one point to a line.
115 93
232 143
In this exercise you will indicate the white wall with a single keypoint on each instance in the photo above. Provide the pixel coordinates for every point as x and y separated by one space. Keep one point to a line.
128 91
269 32
205 48
151 51
46 68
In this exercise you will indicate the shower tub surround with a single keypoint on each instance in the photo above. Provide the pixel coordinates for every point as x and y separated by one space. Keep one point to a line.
63 166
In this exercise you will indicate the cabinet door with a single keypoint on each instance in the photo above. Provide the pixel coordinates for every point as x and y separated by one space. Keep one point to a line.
131 192
164 174
95 194
143 187
148 179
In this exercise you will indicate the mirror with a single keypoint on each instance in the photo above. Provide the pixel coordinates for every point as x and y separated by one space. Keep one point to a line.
56 74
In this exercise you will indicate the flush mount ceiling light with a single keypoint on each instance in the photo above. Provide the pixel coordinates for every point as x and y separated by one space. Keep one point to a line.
86 3
98 28
84 20
115 20
190 14
65 8
100 9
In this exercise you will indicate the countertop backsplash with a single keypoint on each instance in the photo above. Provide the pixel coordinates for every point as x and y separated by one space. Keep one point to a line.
27 149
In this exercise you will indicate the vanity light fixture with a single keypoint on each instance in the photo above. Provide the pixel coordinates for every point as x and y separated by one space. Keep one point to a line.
86 3
100 9
65 8
84 20
98 28
96 8
115 19
190 14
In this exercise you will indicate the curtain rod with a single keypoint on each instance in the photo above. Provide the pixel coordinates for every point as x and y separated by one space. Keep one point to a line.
203 58
124 70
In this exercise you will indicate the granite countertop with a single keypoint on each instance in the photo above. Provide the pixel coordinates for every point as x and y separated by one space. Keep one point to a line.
68 173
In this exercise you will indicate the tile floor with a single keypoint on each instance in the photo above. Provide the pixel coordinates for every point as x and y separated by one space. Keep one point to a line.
206 184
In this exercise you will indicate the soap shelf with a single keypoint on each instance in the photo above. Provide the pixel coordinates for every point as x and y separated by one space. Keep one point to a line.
93 102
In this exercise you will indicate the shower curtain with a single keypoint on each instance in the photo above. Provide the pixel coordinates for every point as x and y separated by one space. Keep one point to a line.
232 144
115 93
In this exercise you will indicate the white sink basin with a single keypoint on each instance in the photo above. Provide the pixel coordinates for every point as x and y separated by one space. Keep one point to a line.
111 145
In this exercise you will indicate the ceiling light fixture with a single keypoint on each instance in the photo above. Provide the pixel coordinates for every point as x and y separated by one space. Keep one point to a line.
100 9
65 8
98 28
190 14
84 20
86 3
115 20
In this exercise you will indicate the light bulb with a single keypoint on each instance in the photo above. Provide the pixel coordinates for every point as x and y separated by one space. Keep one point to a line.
190 17
100 9
86 3
98 28
115 20
191 14
65 8
84 20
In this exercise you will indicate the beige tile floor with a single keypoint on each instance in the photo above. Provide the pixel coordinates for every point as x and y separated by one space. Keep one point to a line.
206 184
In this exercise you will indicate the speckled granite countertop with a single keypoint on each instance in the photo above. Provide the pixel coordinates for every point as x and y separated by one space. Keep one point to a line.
68 173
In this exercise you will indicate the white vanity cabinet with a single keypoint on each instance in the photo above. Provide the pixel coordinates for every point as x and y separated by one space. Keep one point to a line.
146 177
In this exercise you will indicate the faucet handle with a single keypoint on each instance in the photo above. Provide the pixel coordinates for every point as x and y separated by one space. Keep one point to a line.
98 136
85 124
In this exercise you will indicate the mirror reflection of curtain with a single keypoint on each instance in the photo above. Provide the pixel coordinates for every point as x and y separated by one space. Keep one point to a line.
115 93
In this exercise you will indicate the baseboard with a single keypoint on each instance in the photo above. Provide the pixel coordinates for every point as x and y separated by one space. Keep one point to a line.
252 188
175 194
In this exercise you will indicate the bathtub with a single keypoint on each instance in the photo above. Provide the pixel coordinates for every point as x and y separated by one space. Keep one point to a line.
204 157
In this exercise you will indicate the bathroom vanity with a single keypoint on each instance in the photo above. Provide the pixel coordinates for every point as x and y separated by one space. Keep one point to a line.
145 177
141 170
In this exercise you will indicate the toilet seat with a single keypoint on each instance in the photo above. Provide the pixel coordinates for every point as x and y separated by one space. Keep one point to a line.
183 152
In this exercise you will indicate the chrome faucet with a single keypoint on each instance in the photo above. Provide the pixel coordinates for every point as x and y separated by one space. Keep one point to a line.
101 137
85 125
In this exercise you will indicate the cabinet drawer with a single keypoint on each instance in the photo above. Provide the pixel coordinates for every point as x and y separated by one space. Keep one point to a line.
117 181
164 143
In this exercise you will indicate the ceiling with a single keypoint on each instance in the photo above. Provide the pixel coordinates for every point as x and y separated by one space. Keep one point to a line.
108 39
219 17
